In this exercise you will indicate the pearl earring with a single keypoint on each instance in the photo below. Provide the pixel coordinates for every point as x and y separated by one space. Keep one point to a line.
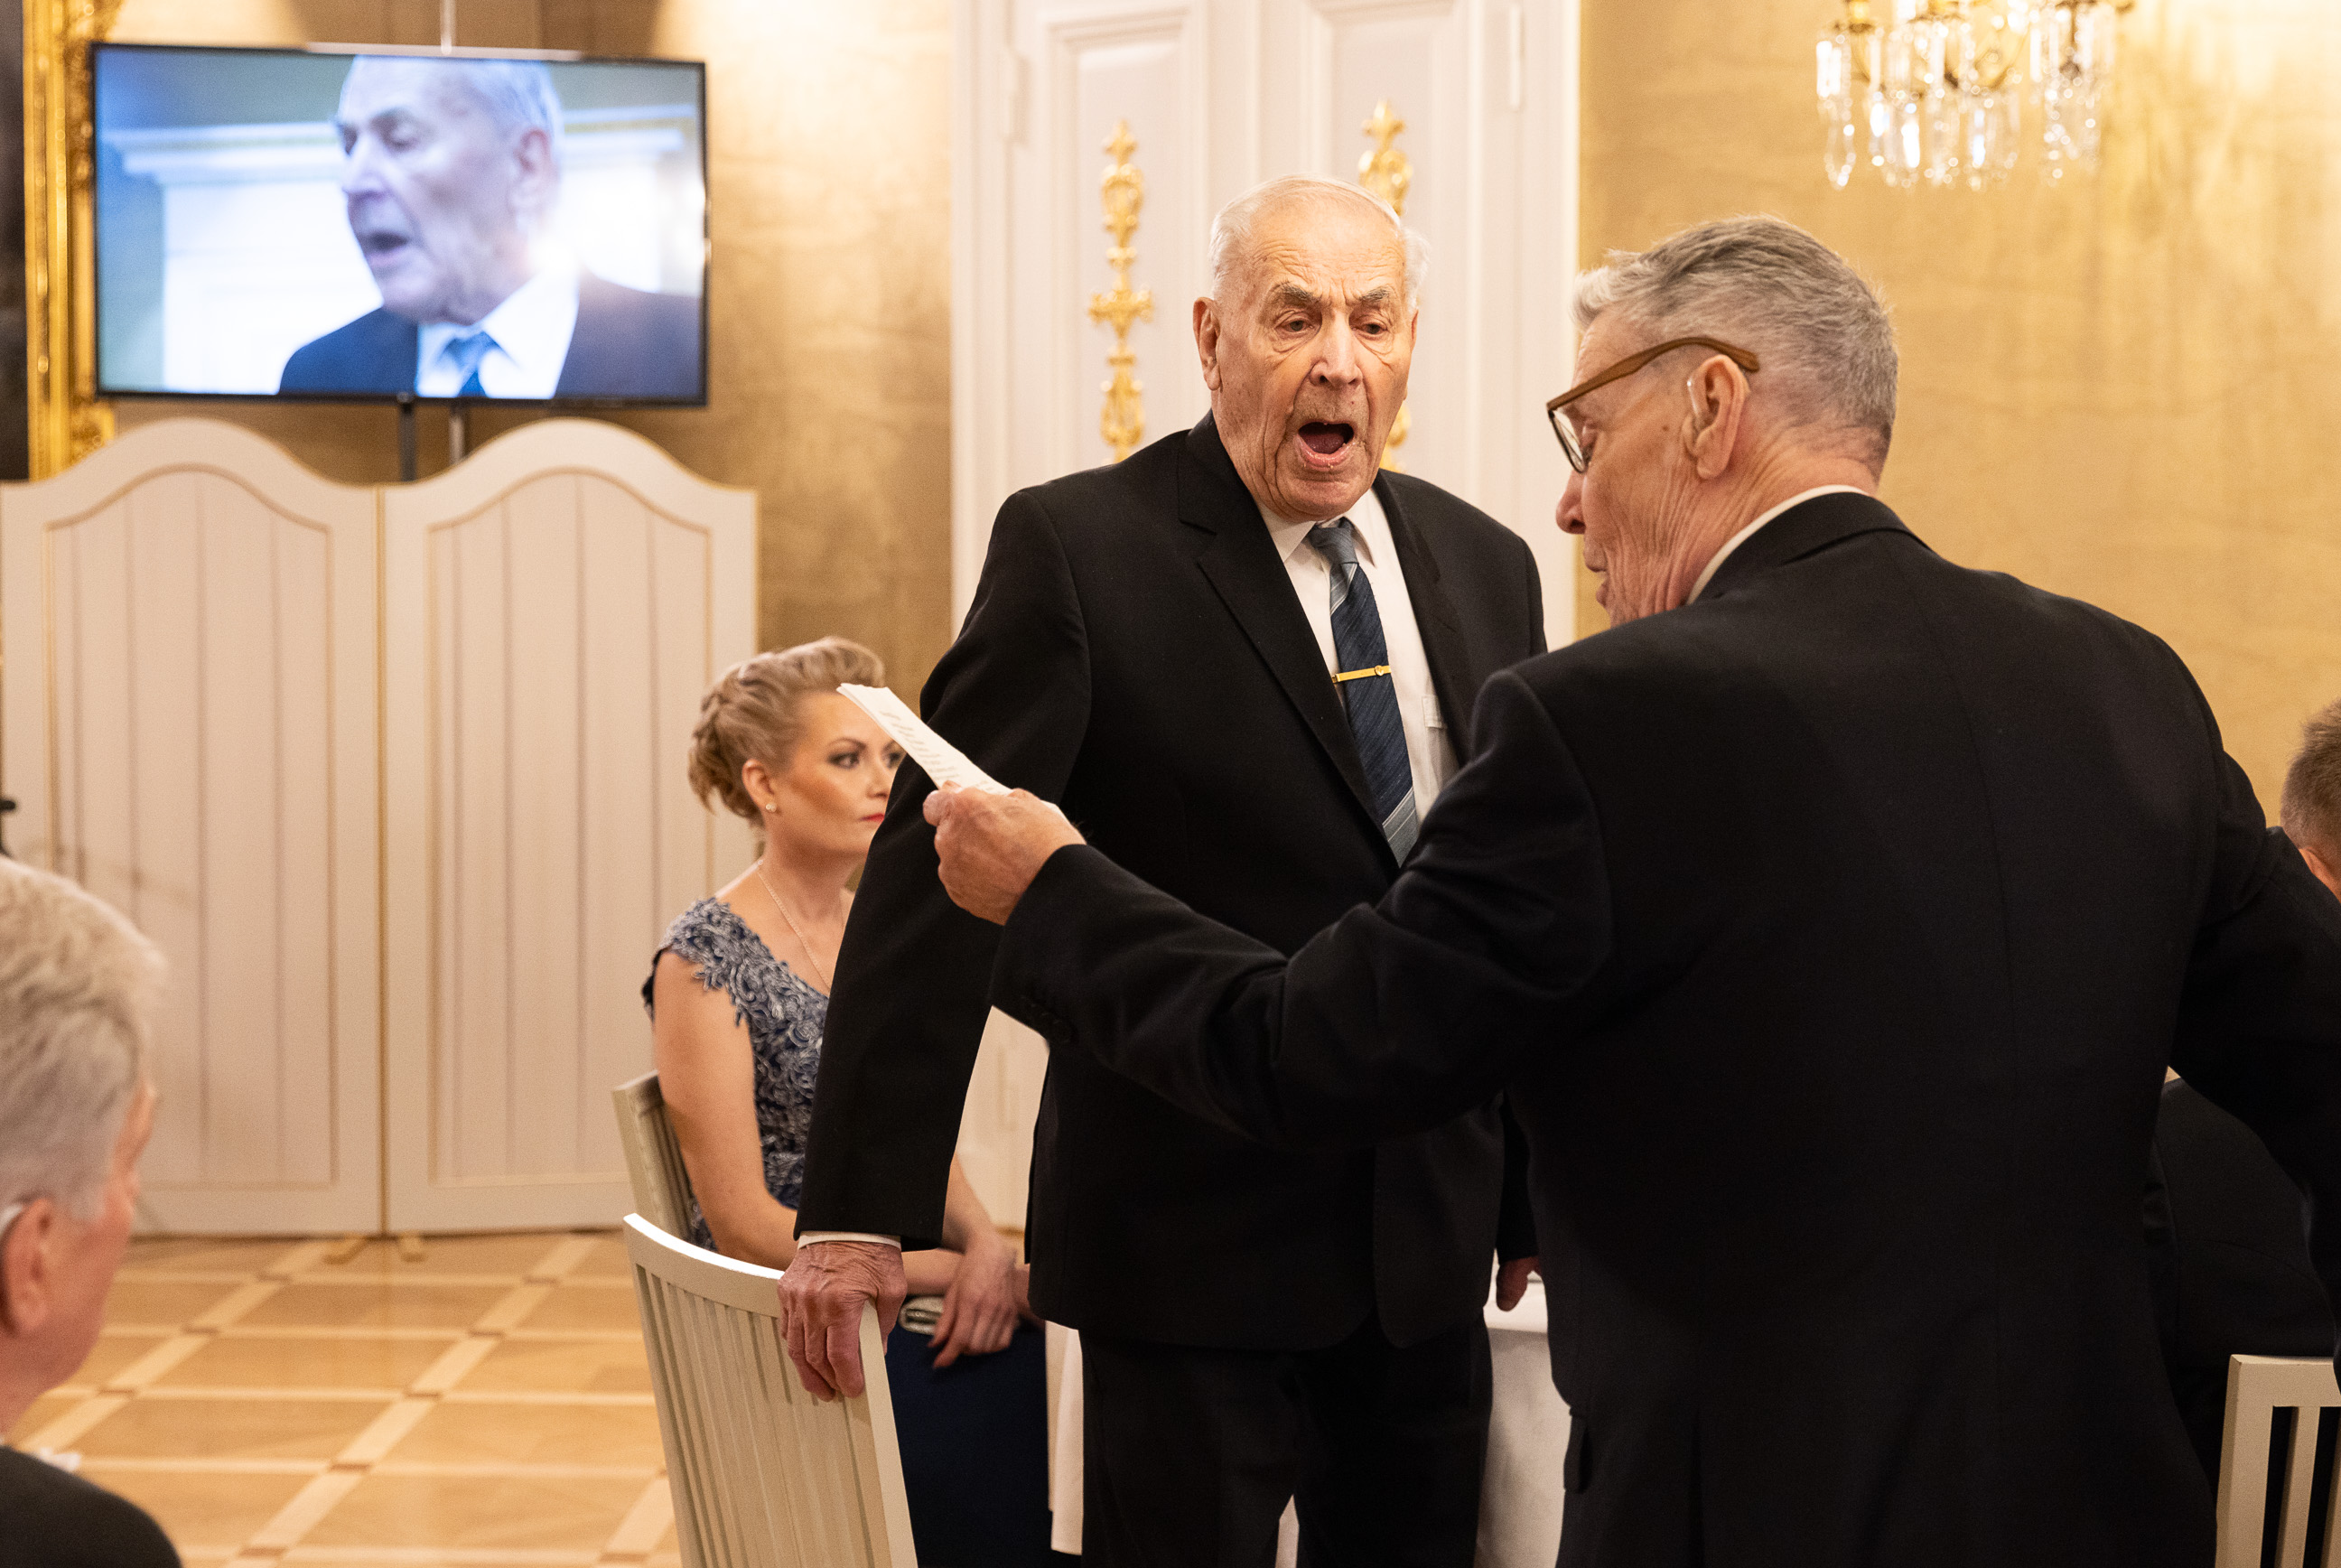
770 805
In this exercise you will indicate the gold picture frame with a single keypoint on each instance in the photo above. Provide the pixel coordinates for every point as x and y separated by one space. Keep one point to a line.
67 420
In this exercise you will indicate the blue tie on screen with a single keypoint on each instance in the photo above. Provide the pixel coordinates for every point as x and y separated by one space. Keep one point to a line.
1369 689
465 353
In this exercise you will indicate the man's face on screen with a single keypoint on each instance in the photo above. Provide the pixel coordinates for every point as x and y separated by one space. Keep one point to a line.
438 193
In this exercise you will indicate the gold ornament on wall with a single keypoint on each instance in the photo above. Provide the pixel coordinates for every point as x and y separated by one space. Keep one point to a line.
1389 175
1122 420
68 422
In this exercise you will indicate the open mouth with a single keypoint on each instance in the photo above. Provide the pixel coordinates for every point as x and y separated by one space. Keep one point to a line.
1327 439
381 244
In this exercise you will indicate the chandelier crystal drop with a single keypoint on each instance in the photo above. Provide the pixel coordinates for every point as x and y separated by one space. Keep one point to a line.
1946 92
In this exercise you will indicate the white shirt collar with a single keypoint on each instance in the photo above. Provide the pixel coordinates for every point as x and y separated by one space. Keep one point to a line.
1366 521
1706 574
532 327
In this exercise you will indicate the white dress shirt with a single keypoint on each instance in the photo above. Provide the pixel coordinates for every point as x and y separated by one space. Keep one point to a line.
531 329
1706 574
1428 750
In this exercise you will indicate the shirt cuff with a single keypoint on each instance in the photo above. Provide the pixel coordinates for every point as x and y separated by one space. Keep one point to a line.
810 1237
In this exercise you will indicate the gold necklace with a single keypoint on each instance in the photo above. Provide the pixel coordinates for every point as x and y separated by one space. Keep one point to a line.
800 935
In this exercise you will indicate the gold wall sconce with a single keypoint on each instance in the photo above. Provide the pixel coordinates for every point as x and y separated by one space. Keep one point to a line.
1122 419
1389 175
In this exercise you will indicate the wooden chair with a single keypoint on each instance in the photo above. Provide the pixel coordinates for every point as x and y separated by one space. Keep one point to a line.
763 1474
654 1159
2258 1387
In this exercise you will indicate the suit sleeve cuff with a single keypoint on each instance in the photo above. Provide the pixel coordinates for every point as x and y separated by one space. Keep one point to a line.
810 1237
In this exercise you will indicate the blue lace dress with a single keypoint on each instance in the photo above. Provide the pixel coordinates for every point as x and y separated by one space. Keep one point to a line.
973 1435
784 1016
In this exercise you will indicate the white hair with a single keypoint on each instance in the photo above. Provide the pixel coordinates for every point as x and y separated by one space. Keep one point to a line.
518 94
1231 230
76 982
1765 284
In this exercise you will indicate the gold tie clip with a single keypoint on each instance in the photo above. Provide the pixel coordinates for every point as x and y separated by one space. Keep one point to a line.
1367 674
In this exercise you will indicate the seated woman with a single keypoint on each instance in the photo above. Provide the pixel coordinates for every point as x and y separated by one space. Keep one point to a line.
738 997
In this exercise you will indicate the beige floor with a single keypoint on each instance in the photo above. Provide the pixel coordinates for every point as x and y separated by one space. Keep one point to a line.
486 1404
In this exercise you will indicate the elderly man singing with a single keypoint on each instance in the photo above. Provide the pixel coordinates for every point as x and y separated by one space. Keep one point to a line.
1244 659
1828 923
75 1108
451 172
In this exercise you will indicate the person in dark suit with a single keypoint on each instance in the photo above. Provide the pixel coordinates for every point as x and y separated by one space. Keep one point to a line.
1828 923
2229 1260
75 1110
1167 645
450 170
2231 1269
2312 797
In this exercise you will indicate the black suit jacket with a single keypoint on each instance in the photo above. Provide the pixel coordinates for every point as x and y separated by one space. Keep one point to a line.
1136 653
1829 935
49 1519
627 344
2229 1259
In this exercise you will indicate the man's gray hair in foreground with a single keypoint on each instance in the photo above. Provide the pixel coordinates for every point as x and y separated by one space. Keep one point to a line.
1761 284
2312 787
1231 230
75 981
518 94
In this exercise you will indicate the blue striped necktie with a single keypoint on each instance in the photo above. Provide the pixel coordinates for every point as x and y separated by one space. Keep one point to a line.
1369 691
465 353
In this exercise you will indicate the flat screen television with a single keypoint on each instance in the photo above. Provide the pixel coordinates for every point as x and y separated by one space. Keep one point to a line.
331 225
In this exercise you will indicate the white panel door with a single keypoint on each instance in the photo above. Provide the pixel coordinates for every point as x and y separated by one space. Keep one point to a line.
190 733
554 608
1219 95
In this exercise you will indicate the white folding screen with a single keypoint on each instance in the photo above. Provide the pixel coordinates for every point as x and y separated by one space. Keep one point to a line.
190 733
554 610
408 905
1219 95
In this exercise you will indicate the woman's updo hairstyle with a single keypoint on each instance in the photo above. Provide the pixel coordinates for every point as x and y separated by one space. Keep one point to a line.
754 712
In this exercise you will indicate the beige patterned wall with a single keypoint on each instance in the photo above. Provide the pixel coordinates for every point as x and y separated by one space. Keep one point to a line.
831 291
2124 392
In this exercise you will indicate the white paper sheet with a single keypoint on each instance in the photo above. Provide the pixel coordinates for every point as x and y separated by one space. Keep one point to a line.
943 761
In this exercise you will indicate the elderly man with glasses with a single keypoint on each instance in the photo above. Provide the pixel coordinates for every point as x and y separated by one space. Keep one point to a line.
75 1109
1828 923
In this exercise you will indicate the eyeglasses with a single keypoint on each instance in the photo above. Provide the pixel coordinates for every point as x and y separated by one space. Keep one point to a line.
1562 426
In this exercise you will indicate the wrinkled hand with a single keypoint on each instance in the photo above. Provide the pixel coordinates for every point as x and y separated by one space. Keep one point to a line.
991 846
821 1293
1512 1282
980 1309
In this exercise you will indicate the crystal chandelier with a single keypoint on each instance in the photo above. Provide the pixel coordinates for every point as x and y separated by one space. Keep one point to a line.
1951 92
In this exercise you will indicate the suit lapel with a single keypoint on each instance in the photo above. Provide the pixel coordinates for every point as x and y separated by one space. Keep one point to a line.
1435 618
1239 561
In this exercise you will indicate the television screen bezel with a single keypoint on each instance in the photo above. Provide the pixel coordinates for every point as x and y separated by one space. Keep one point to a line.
391 399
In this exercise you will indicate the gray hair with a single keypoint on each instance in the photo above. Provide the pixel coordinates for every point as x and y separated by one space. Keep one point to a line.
1764 285
75 982
2311 811
1231 229
518 94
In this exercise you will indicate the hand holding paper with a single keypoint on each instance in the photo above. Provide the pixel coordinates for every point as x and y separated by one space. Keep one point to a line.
991 845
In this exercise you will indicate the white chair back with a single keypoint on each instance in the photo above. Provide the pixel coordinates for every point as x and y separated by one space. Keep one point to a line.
2258 1387
763 1474
654 1159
